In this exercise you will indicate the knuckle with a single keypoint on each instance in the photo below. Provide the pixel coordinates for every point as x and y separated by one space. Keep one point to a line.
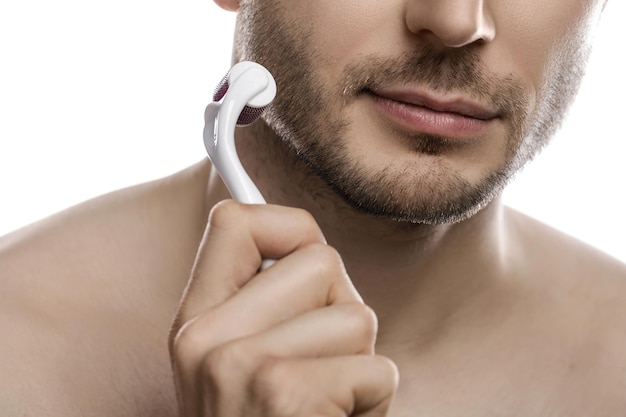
306 219
362 321
276 387
306 225
226 213
185 343
226 361
327 268
271 375
194 338
389 376
327 259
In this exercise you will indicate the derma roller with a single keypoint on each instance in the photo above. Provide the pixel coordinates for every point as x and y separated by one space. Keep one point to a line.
239 100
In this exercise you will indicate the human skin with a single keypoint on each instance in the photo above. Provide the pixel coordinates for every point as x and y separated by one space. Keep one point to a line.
332 103
494 315
417 259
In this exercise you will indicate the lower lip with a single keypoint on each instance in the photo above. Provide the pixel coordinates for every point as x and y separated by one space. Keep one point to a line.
422 120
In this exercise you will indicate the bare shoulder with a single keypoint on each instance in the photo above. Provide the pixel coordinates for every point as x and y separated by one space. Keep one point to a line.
92 285
586 290
556 251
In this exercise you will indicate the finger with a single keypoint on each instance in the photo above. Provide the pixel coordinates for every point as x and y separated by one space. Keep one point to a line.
290 288
308 279
356 385
236 240
337 330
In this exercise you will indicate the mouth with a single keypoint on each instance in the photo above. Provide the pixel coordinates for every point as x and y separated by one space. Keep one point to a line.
455 117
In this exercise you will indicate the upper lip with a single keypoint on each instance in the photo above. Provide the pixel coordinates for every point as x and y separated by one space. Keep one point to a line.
450 103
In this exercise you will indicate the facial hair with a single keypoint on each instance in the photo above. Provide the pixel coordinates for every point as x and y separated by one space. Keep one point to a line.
308 115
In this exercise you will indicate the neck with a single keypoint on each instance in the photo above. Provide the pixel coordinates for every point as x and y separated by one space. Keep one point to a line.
429 270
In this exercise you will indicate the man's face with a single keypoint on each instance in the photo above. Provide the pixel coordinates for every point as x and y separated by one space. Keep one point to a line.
405 113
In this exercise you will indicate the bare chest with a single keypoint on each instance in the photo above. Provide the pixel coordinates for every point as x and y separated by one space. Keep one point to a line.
514 381
444 383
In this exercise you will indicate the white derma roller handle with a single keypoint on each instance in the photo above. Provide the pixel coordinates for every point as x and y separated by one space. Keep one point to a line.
239 100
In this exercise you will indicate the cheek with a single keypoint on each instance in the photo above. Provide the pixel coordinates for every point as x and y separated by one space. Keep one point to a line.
344 31
531 34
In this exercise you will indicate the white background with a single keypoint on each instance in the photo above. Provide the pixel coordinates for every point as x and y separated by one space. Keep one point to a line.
95 96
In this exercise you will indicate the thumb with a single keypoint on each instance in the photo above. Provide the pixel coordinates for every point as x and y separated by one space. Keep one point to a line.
236 240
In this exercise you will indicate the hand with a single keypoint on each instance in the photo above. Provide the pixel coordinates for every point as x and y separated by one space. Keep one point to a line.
292 340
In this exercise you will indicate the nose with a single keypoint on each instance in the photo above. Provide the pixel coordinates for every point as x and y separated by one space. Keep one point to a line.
455 23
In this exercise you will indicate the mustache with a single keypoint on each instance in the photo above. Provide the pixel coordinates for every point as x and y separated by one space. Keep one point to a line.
459 71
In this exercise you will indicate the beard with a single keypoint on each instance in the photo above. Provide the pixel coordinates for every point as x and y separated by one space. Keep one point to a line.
310 117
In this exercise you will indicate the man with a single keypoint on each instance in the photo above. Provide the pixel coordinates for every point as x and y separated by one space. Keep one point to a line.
402 286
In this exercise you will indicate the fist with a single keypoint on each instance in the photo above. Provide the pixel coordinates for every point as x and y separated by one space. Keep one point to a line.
291 340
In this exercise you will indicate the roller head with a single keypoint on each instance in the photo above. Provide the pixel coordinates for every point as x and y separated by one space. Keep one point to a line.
239 99
221 89
253 73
